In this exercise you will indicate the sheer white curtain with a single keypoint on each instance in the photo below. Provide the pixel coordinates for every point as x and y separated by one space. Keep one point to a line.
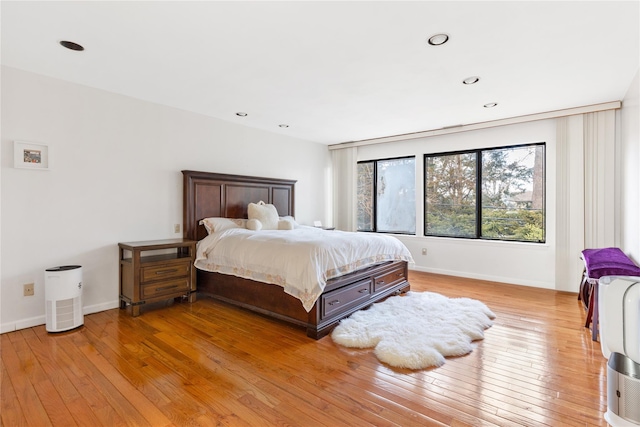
600 216
344 164
586 213
569 201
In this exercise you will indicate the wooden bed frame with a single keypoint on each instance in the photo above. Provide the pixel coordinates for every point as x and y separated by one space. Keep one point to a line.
220 195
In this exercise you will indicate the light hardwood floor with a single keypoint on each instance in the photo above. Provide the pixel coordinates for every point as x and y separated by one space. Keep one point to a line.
209 364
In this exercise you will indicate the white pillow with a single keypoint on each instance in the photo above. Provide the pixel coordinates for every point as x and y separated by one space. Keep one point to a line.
285 224
266 214
219 224
254 224
290 219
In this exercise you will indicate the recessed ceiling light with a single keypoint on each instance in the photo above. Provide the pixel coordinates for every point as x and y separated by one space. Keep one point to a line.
471 80
71 45
490 105
284 126
241 114
438 39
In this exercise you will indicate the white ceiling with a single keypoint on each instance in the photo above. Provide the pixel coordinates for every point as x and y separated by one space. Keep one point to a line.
335 71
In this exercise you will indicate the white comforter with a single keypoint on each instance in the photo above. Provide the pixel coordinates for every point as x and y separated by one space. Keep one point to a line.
300 260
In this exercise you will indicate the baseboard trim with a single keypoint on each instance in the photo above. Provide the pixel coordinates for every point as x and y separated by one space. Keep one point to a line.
96 308
41 320
491 278
22 324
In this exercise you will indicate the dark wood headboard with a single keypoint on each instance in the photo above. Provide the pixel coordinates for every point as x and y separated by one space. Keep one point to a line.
208 195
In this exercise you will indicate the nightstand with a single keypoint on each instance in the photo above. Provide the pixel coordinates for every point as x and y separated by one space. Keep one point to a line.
156 270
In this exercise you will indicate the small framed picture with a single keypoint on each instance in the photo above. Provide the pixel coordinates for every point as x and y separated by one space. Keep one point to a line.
30 155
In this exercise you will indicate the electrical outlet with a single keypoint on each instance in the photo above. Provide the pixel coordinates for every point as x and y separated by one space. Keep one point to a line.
28 289
176 228
424 251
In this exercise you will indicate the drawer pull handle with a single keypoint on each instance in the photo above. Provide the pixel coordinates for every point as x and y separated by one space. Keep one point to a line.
164 288
334 302
399 274
381 282
363 290
173 270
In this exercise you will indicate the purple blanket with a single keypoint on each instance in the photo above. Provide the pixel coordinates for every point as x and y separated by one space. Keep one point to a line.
608 262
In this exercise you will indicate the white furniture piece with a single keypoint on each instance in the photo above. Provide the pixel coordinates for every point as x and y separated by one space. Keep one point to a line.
63 298
619 303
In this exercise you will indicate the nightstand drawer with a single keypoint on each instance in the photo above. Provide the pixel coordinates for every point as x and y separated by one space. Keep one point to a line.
167 271
167 287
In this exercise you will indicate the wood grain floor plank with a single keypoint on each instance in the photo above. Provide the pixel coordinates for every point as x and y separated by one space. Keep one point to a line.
18 372
201 385
10 410
208 363
230 380
89 395
72 399
118 408
144 405
353 370
294 370
160 384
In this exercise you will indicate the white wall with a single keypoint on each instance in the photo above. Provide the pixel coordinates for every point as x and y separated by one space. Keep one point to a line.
520 263
115 176
630 171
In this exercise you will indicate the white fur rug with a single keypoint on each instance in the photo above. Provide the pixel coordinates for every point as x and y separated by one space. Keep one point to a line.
416 330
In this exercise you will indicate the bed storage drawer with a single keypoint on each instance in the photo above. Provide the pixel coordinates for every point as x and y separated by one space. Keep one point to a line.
344 298
163 272
165 287
388 279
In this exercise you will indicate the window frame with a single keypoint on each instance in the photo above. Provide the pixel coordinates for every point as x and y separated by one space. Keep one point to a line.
478 190
375 196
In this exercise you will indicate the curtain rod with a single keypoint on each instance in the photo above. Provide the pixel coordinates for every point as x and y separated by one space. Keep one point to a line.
613 105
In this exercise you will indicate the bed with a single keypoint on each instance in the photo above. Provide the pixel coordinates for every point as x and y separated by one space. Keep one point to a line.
207 195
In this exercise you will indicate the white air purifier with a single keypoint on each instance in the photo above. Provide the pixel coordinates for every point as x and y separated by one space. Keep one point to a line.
619 307
63 298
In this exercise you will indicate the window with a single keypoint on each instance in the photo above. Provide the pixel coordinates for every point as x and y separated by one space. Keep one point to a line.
386 195
486 194
450 191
